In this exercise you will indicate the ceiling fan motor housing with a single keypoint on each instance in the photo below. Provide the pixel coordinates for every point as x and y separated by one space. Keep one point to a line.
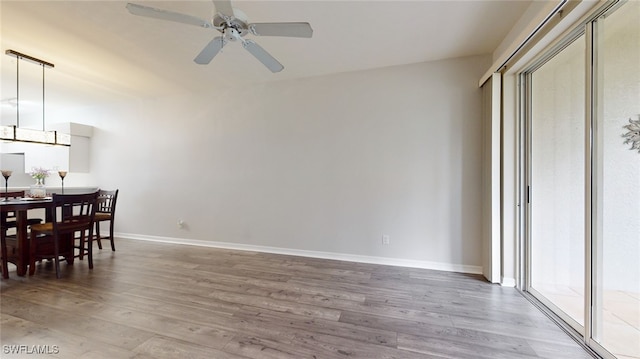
231 34
238 21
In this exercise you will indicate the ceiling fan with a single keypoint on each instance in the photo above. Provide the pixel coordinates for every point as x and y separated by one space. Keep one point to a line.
233 25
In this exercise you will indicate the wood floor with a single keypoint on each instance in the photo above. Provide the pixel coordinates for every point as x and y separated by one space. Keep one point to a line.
177 301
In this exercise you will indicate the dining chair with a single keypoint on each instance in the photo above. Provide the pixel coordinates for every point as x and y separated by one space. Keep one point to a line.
8 244
11 219
4 251
106 211
70 214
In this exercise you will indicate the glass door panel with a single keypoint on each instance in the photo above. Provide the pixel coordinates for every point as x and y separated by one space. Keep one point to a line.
557 183
616 259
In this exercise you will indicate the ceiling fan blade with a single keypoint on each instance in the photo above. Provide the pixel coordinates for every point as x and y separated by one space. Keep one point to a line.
289 29
223 7
151 12
259 53
210 51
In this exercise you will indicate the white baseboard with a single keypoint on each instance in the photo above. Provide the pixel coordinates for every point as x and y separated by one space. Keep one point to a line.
313 254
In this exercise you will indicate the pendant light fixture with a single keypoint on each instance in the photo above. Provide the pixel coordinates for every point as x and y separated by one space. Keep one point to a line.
17 134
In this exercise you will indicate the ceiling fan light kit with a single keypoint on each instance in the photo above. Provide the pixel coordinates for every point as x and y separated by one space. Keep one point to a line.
234 26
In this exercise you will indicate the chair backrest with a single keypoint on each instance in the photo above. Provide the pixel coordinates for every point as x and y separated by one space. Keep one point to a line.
8 215
107 202
73 212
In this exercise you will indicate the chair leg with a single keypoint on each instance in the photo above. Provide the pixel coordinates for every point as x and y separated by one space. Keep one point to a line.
71 239
56 254
32 254
97 234
90 250
81 254
5 268
113 246
3 244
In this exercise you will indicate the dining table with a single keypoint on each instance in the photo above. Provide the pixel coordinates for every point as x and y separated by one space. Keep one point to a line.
20 206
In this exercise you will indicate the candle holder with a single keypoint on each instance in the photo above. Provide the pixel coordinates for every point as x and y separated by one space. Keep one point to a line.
62 175
6 174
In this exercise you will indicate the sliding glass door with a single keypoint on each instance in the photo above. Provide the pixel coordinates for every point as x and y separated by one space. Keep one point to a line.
582 245
616 203
557 182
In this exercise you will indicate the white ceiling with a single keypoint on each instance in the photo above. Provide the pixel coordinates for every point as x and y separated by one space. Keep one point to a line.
100 48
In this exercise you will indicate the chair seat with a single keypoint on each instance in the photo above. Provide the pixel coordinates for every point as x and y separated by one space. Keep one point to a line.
42 227
103 216
72 224
30 222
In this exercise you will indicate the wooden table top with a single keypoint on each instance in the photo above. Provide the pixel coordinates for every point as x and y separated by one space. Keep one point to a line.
17 204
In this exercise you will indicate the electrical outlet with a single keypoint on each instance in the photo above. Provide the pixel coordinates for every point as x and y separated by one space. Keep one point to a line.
385 240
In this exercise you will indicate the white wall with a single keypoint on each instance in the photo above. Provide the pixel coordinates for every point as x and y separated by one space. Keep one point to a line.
326 164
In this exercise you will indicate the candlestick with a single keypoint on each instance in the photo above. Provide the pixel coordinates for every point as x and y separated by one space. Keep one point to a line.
6 174
62 175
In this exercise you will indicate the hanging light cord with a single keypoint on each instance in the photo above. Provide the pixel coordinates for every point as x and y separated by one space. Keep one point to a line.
20 56
17 92
43 98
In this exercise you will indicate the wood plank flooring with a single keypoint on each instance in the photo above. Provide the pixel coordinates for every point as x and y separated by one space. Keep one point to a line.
156 300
